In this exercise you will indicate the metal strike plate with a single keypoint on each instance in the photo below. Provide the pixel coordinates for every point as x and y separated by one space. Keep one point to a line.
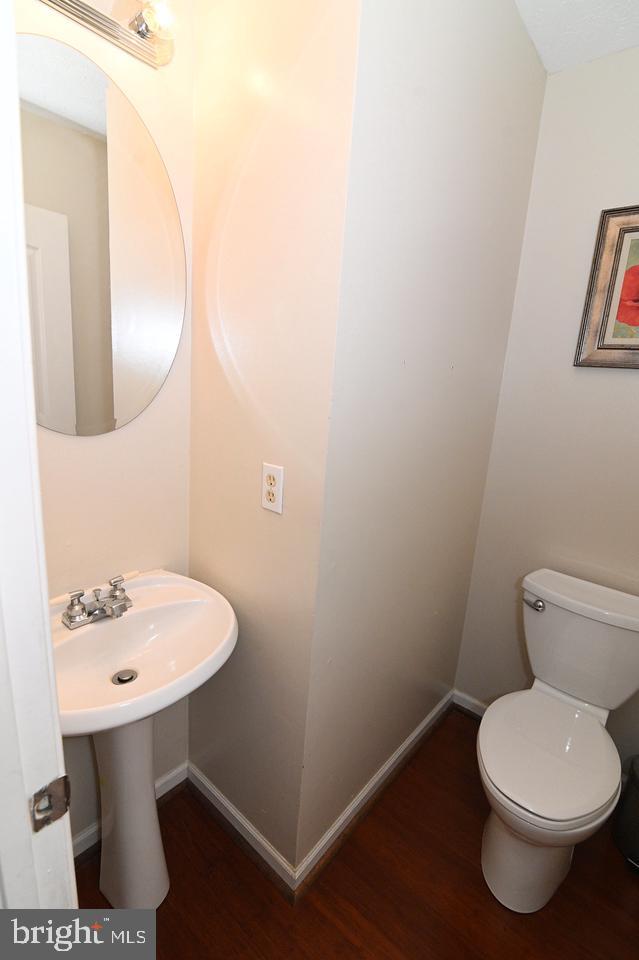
50 803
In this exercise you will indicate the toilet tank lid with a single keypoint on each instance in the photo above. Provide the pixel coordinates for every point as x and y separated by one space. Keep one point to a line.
585 598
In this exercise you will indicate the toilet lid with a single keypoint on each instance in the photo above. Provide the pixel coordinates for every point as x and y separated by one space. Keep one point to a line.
548 756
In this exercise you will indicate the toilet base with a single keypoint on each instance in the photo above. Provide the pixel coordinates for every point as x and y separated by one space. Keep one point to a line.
521 875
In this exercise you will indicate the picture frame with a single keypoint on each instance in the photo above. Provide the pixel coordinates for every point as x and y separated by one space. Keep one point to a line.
609 334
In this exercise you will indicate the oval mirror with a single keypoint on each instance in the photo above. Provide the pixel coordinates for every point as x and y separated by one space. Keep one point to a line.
105 253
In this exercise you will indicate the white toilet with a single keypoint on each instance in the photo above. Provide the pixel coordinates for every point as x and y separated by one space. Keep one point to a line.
548 766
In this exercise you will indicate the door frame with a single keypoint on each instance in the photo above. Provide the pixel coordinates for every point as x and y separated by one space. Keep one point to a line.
49 283
36 869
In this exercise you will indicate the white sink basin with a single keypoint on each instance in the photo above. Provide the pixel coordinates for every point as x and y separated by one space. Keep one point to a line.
176 635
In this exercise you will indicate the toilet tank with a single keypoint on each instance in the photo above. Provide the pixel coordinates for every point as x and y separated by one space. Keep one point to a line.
586 639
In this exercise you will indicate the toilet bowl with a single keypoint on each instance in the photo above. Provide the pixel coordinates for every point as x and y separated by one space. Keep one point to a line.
559 779
548 766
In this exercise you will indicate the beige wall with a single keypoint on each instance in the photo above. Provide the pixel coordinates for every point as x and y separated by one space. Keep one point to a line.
273 115
65 170
562 483
410 425
445 127
120 502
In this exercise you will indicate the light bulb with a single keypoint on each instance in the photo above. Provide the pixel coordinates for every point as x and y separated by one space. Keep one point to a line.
158 16
155 19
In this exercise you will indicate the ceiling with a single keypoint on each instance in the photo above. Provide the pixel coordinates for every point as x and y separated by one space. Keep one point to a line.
569 32
58 79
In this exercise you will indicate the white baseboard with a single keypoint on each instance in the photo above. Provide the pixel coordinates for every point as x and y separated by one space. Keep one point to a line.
244 827
374 784
293 876
86 838
171 779
472 704
90 835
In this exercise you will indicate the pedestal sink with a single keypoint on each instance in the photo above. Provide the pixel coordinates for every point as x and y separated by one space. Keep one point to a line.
176 635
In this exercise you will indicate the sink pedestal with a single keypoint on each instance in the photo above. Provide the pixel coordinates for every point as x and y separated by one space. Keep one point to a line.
132 867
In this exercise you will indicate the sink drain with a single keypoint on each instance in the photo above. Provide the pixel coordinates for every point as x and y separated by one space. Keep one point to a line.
124 676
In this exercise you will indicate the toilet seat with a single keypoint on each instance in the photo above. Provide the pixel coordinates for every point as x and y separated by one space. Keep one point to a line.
548 757
528 820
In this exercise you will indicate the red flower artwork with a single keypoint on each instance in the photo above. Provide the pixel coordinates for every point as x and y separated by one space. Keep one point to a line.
628 311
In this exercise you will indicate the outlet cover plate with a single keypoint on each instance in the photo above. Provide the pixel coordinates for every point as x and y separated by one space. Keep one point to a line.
272 487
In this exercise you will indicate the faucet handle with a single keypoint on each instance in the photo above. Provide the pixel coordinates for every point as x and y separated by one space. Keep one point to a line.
117 602
76 610
117 588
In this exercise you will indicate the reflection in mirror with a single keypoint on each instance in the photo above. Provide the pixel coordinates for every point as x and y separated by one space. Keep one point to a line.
105 255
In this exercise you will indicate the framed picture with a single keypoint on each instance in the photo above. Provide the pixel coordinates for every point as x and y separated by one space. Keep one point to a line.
609 335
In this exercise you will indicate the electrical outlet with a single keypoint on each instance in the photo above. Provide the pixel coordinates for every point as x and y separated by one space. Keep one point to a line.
272 487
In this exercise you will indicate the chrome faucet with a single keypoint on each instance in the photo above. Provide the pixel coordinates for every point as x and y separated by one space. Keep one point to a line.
114 605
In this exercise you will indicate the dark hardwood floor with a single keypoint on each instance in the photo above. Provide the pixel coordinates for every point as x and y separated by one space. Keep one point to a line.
406 884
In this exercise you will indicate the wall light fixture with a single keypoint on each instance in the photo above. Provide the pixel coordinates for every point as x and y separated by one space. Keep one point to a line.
155 19
148 36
